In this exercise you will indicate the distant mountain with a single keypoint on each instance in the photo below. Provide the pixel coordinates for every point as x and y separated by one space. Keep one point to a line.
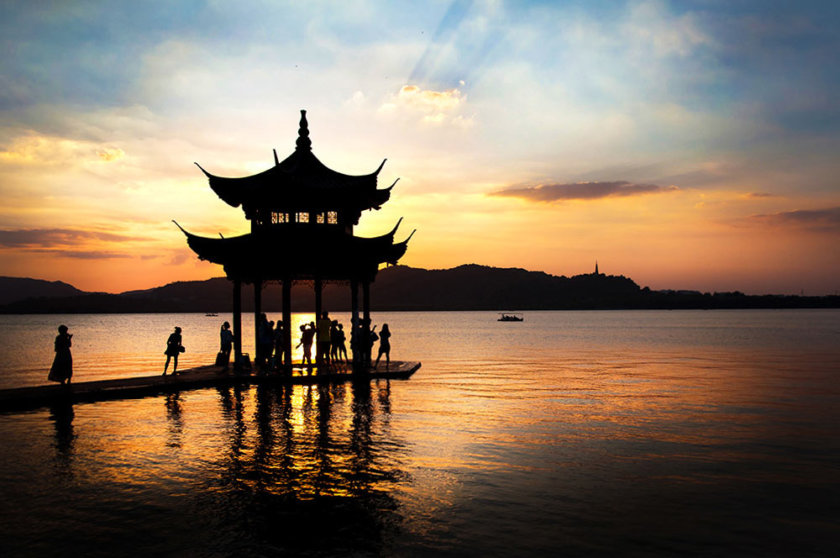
467 287
477 287
13 289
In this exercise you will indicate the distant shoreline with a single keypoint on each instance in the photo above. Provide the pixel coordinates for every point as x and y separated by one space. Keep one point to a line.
404 289
224 314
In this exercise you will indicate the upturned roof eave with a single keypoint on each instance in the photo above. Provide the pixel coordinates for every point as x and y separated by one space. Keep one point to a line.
353 253
299 168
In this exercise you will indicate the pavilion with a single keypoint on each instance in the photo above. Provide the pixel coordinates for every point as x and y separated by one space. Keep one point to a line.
302 215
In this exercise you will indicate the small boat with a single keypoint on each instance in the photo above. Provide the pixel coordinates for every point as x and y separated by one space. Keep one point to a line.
211 314
510 317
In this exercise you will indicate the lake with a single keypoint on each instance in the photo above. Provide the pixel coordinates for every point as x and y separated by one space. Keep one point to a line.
602 433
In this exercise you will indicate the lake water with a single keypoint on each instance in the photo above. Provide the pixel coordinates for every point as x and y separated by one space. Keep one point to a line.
689 433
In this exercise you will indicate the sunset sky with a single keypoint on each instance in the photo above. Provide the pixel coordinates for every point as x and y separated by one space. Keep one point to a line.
687 145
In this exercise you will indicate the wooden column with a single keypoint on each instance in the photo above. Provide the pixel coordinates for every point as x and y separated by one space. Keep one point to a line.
257 312
318 302
354 321
366 318
287 322
237 322
318 310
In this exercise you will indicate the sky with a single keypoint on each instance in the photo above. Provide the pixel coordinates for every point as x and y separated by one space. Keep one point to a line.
686 145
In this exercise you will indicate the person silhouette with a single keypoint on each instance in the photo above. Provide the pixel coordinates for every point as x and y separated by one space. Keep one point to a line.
384 347
372 338
342 346
334 341
307 334
173 349
226 339
62 366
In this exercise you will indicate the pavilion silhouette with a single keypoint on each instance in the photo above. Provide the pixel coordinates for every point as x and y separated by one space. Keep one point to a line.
302 215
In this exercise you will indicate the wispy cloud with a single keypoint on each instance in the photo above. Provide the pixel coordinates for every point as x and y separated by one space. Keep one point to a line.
83 254
43 150
581 191
821 220
57 238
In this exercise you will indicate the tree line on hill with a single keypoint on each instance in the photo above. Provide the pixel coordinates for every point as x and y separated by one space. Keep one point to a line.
398 288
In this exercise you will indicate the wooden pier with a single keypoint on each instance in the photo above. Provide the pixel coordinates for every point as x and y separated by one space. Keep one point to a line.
25 398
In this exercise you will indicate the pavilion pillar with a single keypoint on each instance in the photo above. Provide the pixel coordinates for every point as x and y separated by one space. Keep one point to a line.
237 323
366 321
287 323
257 313
318 310
318 301
354 322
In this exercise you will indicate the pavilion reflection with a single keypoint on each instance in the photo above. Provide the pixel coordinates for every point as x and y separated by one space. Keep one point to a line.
310 474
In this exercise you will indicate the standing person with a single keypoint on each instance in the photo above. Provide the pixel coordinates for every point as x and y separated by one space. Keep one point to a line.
307 333
384 347
334 341
342 347
323 344
372 338
173 349
62 366
226 339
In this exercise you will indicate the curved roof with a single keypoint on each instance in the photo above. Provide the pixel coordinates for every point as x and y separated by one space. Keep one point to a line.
322 253
301 182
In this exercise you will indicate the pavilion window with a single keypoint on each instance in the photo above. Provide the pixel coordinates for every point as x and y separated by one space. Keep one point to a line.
279 217
302 217
332 217
319 218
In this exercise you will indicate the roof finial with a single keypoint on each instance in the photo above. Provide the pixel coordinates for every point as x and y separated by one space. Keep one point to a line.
596 267
303 141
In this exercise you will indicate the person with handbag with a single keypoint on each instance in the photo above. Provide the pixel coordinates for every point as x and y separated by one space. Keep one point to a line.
173 349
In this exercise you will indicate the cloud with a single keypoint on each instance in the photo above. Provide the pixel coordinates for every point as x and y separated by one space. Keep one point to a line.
56 238
83 254
180 257
109 154
654 30
581 191
430 107
42 150
820 220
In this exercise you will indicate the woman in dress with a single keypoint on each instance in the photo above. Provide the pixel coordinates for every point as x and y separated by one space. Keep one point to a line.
62 366
384 347
173 349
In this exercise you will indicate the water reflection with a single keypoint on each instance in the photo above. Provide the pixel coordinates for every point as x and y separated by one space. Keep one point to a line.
303 473
174 410
62 414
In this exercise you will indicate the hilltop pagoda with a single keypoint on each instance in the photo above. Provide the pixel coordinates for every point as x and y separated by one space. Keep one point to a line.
302 215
